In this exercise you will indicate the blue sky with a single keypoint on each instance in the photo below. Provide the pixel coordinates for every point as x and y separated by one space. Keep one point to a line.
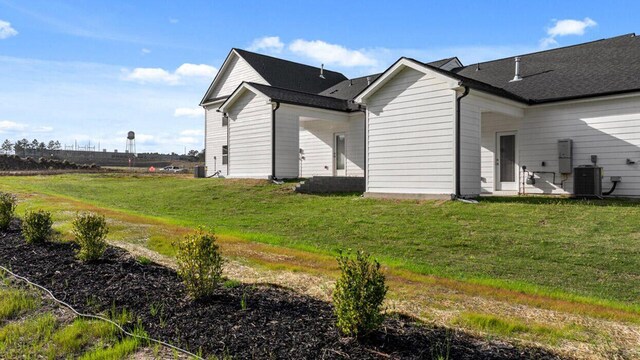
89 71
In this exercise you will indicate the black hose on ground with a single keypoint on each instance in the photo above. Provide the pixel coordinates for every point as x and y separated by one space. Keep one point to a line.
96 317
615 183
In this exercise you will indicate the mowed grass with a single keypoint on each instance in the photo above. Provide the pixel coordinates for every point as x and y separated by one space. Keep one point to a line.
532 244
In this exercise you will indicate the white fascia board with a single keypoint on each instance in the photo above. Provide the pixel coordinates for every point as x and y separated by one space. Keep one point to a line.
223 68
394 70
237 94
214 103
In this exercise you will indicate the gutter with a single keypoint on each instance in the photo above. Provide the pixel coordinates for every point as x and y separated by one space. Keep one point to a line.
273 139
458 140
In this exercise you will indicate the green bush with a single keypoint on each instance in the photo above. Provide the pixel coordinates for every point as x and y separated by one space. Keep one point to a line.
7 209
359 293
199 263
90 231
36 227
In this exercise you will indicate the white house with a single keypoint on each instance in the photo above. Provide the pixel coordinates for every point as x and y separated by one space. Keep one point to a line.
516 125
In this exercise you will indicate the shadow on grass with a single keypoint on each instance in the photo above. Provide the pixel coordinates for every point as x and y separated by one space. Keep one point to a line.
554 200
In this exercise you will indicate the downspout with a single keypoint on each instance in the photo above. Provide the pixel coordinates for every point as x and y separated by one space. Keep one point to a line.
458 140
273 139
364 153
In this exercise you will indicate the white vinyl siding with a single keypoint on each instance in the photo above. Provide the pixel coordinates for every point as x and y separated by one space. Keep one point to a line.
410 135
287 143
238 70
355 145
606 128
216 137
470 116
250 137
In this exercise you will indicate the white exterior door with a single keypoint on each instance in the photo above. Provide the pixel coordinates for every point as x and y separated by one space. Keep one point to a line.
339 155
507 174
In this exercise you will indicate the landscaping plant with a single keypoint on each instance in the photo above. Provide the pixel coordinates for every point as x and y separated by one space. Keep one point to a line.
199 262
359 293
7 209
90 231
36 227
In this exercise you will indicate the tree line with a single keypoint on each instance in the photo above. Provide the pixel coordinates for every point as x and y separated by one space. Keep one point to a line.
21 146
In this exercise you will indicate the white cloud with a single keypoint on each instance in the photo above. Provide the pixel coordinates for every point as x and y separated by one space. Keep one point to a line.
6 31
41 129
188 112
11 126
268 43
331 54
566 27
145 51
198 70
192 132
151 75
189 140
7 126
159 75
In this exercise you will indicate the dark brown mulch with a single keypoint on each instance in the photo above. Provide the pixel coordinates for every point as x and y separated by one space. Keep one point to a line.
277 323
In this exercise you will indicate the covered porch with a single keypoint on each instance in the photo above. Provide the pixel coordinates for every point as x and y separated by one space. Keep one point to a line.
330 143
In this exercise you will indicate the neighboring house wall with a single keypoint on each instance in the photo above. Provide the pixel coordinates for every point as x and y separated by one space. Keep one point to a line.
236 71
216 137
250 137
287 143
410 135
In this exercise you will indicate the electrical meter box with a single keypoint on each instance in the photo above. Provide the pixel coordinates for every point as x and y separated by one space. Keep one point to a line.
565 156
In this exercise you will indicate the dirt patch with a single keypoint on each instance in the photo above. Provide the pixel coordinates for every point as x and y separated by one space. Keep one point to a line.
275 323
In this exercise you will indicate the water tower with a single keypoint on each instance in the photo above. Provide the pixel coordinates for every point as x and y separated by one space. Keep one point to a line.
131 143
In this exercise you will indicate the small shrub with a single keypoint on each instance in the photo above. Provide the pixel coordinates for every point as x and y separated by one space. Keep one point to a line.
36 227
90 231
359 293
7 209
199 263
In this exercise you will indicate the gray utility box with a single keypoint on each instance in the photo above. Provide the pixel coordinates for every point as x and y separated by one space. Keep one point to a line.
565 156
587 181
200 171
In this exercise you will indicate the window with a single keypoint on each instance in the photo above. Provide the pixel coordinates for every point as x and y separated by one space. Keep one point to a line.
225 154
225 120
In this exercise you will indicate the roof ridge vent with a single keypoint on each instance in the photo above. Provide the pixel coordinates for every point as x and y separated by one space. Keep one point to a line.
517 76
322 71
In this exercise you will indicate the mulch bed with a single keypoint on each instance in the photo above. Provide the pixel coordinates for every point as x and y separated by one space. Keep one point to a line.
277 323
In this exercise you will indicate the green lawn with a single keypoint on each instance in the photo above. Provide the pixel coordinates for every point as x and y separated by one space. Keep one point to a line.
534 243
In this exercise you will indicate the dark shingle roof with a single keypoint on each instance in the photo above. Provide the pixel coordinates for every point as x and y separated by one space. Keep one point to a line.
600 67
348 89
440 63
305 99
290 75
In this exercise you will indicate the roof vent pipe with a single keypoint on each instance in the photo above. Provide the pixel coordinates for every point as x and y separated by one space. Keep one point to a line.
517 76
350 82
368 80
322 71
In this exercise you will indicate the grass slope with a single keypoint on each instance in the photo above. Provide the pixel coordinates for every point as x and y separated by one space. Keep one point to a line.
578 247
